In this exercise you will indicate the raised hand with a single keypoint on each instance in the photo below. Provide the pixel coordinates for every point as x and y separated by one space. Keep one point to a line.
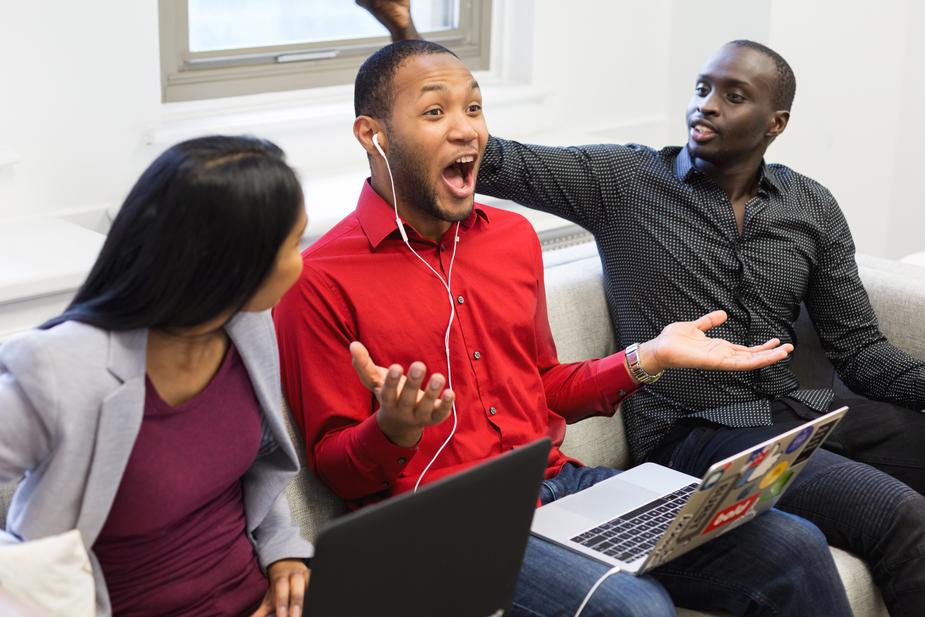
685 345
404 409
395 15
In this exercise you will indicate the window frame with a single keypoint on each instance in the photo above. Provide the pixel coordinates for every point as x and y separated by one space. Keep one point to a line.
189 76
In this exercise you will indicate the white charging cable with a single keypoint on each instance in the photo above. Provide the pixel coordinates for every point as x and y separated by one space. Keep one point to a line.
594 587
447 283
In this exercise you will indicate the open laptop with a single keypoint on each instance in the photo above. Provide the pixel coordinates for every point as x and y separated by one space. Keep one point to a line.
452 549
651 514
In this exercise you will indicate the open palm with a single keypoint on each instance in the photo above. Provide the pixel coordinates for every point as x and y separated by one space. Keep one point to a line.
686 345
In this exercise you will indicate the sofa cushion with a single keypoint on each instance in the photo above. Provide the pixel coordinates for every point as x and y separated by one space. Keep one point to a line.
311 502
6 496
581 327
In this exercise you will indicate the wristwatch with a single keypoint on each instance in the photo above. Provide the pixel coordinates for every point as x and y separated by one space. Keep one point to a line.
639 373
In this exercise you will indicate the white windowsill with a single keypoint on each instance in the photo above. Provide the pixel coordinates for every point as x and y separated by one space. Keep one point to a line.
42 257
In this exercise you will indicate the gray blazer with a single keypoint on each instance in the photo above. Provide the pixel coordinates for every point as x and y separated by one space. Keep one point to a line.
71 405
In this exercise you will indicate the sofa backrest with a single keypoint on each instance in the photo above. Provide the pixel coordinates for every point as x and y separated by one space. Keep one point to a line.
582 329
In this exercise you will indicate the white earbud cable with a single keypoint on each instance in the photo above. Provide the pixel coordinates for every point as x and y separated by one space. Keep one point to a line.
447 283
594 587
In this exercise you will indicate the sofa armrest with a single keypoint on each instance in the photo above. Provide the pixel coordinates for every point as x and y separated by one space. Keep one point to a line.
897 292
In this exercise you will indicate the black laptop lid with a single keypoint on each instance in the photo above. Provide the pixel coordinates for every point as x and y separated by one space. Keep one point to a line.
452 549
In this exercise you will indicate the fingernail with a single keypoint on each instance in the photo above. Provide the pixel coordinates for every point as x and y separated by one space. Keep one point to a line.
417 372
296 611
394 372
434 383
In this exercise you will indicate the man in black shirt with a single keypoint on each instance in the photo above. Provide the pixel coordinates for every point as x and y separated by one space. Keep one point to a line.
712 225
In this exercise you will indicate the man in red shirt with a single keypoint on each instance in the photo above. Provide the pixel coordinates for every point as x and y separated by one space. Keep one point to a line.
426 278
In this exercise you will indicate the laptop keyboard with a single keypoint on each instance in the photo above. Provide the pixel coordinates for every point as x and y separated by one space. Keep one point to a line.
633 534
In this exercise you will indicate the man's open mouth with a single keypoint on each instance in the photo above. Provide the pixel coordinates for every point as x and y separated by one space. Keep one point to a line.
702 133
460 176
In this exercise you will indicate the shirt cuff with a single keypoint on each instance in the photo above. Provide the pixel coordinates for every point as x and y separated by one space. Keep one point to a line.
376 448
613 379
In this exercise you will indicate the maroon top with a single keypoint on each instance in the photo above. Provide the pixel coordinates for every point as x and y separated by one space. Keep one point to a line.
175 541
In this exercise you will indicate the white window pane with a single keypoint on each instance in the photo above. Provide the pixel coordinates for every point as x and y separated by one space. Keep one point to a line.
232 24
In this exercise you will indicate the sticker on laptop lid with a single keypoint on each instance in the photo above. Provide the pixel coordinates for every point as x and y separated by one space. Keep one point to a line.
772 476
778 487
715 476
733 513
800 439
815 441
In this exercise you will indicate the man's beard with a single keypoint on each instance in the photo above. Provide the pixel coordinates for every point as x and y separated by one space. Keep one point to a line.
411 184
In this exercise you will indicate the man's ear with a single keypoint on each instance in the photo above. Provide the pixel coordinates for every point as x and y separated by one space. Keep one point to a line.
364 128
778 123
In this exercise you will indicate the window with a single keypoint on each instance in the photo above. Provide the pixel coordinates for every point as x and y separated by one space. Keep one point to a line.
216 48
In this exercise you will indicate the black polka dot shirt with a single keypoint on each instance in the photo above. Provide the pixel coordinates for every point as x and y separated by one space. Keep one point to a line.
671 251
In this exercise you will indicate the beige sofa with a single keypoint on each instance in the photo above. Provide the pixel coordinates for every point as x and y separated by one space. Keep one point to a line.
581 326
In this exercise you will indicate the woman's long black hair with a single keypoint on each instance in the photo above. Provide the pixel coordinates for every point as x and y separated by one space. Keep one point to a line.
197 235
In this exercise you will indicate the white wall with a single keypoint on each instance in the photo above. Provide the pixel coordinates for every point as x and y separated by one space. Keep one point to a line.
80 98
79 88
855 75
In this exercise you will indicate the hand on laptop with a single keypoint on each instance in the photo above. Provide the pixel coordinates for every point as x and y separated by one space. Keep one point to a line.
404 409
685 345
286 595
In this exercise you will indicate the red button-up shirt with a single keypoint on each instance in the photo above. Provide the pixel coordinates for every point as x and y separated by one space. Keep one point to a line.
360 282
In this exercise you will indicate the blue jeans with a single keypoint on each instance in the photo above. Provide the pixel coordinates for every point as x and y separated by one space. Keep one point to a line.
857 507
777 564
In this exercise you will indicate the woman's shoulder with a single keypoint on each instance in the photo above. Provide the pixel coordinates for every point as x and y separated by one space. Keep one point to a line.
70 335
68 349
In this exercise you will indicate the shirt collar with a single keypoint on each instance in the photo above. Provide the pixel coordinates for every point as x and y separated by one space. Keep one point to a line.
377 217
684 169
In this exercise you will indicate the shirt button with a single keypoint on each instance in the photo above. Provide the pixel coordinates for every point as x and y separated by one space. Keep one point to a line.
385 483
460 299
622 392
402 460
476 355
492 410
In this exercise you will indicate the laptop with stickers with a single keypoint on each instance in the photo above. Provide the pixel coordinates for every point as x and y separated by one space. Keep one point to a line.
650 514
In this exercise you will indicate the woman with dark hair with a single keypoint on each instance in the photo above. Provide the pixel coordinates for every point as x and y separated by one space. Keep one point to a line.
148 414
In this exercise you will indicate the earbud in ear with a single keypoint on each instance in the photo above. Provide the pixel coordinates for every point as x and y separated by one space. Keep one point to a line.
376 144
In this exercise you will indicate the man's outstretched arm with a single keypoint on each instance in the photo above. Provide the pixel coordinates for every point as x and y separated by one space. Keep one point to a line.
579 183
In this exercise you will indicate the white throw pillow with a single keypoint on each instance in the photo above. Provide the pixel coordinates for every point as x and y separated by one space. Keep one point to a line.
52 574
